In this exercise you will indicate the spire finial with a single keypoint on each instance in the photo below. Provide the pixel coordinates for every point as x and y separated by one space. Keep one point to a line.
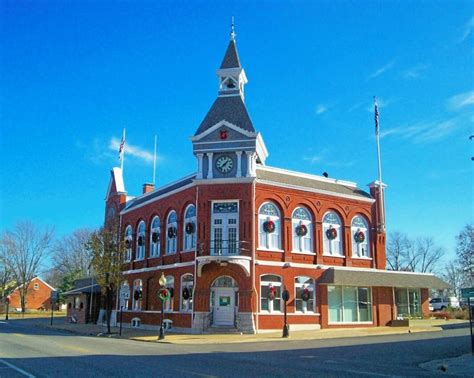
232 30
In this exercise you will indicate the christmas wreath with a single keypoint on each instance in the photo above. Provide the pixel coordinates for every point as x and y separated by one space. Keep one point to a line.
172 232
271 293
140 241
305 295
359 237
269 226
331 233
155 237
301 230
186 293
127 243
190 227
164 294
137 294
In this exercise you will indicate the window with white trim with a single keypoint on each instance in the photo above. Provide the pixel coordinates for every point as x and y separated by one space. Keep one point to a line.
190 228
128 243
360 237
187 282
408 302
269 226
305 294
270 293
155 237
137 295
332 234
168 304
140 255
171 233
124 287
349 304
302 224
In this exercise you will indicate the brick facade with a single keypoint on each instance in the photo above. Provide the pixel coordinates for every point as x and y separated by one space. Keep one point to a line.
37 296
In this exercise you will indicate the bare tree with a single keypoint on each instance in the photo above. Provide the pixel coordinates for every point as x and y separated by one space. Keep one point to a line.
71 255
424 255
398 250
5 279
107 249
453 275
22 251
465 254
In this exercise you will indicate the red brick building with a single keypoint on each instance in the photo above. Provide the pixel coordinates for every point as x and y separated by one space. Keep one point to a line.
232 236
38 296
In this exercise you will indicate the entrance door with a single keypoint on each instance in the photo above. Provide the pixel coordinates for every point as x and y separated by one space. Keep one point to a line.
225 228
224 306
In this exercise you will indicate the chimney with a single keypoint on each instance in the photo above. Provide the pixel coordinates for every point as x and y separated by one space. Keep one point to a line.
147 188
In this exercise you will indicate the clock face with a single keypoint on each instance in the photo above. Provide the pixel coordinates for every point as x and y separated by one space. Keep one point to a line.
224 164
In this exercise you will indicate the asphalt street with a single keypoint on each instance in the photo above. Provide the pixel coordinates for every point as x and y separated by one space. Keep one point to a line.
27 351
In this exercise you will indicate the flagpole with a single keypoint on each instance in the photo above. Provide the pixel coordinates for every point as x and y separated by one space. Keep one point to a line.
154 163
122 145
379 163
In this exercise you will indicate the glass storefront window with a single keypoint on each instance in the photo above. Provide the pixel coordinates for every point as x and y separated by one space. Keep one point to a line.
408 302
349 304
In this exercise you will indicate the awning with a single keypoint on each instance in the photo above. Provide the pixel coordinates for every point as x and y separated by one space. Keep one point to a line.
84 290
384 278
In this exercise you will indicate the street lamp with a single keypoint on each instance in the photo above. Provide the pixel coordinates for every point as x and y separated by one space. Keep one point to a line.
7 301
286 330
164 295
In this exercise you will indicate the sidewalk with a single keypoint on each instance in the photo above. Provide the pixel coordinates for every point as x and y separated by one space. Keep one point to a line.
183 338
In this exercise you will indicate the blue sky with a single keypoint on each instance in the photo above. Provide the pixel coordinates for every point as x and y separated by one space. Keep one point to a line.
73 74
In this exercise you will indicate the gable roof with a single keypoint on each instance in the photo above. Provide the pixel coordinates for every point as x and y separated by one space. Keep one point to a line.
311 182
84 285
231 57
37 279
231 109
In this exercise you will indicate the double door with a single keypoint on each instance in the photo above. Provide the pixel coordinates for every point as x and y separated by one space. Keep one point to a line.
225 232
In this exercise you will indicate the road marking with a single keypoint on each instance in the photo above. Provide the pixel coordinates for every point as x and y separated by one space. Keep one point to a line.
26 374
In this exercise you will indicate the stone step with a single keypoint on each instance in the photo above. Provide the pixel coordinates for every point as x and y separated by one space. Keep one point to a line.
223 329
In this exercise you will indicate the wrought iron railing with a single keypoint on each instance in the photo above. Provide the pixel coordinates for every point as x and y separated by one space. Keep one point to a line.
225 247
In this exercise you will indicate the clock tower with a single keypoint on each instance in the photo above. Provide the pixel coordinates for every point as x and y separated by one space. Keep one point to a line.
226 144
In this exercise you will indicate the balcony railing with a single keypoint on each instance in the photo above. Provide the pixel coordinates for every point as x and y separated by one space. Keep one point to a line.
225 247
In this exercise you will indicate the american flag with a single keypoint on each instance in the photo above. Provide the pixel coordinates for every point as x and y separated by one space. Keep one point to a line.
376 117
122 146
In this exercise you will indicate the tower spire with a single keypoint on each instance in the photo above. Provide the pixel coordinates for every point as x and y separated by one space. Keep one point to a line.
232 31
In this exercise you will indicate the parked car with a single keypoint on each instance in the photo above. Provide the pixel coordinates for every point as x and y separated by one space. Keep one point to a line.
440 304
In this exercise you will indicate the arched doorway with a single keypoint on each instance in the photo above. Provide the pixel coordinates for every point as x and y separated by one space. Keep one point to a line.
224 301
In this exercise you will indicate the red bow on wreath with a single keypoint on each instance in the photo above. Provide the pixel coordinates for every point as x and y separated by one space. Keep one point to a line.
301 230
269 226
305 294
271 293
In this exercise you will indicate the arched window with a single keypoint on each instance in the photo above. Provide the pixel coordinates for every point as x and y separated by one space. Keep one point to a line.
124 294
360 237
332 234
190 228
155 237
128 243
140 241
270 293
187 282
305 294
171 233
168 305
302 230
269 226
137 295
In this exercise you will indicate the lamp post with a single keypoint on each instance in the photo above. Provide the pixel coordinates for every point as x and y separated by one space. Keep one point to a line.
285 296
7 301
163 294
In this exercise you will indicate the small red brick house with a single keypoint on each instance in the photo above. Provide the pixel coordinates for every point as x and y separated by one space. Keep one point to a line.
83 301
37 296
232 236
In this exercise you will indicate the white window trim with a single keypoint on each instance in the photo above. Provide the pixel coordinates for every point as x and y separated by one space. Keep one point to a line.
365 230
342 297
158 244
137 247
168 239
140 300
170 301
128 236
271 311
340 233
278 228
185 235
190 286
295 222
313 284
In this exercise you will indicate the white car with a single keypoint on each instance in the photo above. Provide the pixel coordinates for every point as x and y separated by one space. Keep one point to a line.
440 304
